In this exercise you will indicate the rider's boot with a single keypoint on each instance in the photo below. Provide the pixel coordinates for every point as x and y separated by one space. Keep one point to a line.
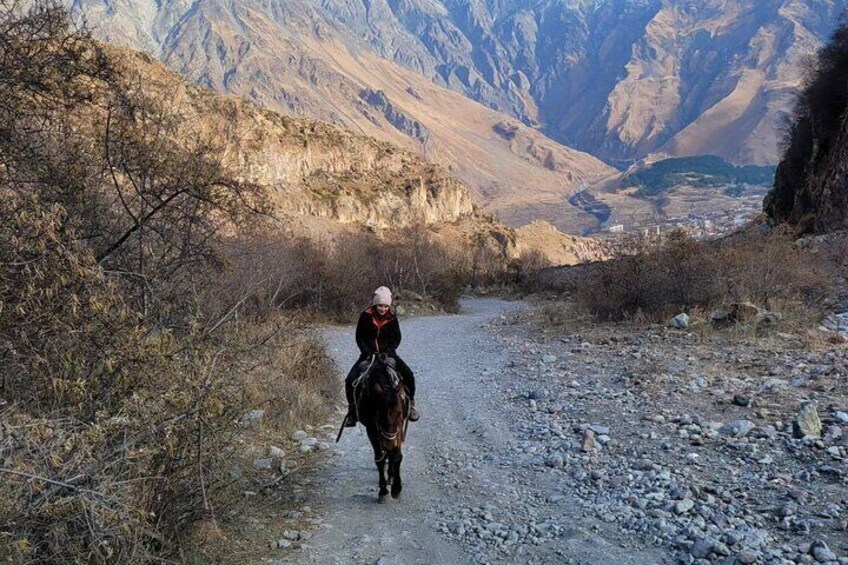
350 419
413 411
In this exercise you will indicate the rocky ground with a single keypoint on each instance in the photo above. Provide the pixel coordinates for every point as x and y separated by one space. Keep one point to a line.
589 444
722 447
472 492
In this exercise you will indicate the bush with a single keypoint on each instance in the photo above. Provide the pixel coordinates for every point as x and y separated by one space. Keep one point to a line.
528 271
679 274
336 277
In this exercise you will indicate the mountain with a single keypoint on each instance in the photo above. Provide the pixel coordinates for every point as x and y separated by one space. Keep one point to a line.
620 79
497 91
297 57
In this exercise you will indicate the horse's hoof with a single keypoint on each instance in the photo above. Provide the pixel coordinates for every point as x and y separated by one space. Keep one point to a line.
382 496
396 493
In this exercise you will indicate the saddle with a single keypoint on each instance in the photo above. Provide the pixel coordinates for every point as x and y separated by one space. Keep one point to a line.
366 365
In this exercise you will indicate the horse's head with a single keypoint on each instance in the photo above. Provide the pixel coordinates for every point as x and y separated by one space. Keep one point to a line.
389 401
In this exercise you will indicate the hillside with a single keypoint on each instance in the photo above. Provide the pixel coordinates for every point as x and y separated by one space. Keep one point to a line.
308 167
707 171
300 59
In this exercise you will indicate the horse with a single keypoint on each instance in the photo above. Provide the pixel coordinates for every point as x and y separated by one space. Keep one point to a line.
382 404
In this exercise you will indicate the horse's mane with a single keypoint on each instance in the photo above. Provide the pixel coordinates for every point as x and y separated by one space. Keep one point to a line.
384 378
389 397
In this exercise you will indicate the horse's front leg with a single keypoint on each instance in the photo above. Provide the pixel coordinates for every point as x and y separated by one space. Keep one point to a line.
381 459
395 459
383 470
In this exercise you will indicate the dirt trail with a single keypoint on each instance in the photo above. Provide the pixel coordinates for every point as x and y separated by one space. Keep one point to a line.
461 455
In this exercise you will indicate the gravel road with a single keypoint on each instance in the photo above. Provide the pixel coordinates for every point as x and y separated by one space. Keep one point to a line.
469 495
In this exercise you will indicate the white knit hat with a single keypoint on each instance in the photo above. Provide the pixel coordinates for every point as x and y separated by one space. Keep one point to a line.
382 296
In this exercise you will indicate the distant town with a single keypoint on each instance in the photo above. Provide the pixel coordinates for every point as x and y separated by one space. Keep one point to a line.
708 224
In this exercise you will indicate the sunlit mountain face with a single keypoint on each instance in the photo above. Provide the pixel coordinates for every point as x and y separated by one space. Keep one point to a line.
620 79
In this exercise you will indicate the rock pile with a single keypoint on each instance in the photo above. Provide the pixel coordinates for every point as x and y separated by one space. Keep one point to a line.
728 452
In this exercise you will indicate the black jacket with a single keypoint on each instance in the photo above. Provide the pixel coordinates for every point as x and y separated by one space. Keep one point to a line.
377 335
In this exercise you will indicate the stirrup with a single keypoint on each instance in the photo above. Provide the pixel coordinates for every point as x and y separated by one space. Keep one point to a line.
413 414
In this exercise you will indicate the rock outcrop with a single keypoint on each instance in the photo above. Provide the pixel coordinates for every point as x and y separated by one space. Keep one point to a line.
557 248
811 185
311 168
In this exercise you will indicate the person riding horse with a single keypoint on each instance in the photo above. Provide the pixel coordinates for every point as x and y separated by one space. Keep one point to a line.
378 331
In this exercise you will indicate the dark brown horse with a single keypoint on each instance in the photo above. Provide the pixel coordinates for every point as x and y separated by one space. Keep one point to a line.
383 407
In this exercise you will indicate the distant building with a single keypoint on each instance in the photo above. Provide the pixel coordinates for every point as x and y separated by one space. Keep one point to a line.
619 228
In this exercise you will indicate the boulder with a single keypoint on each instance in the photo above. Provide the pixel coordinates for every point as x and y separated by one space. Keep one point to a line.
740 428
702 548
807 423
409 296
263 464
735 313
741 400
252 418
680 322
822 553
684 506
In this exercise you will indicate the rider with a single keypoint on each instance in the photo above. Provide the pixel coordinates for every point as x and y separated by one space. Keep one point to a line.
378 331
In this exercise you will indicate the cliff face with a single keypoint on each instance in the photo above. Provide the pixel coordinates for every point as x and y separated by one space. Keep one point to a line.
311 168
811 185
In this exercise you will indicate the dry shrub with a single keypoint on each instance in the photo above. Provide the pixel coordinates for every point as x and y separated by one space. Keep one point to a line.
122 386
336 277
289 373
559 314
529 271
678 274
771 269
115 440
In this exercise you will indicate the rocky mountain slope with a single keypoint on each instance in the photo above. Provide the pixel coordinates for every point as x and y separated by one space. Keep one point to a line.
299 58
325 180
618 78
309 167
621 79
810 186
